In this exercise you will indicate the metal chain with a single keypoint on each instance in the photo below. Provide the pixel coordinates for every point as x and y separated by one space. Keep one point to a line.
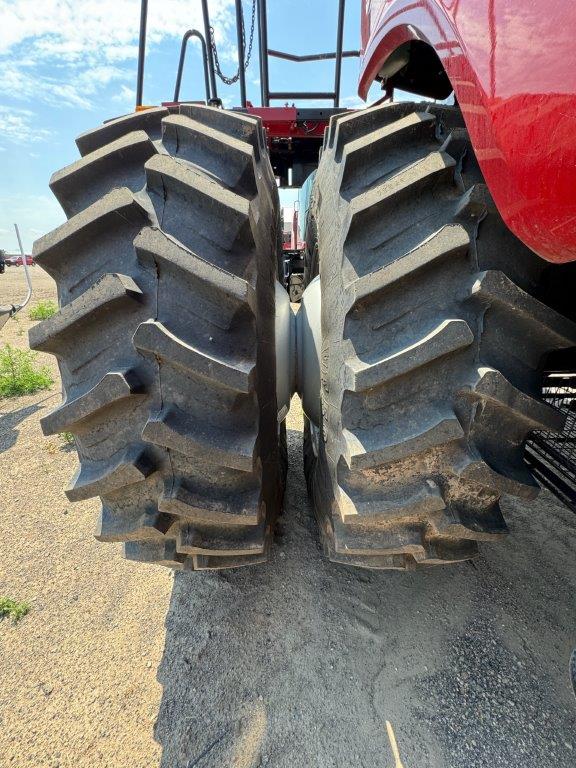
221 75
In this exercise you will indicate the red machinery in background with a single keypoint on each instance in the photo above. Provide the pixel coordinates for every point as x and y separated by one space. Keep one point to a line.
293 252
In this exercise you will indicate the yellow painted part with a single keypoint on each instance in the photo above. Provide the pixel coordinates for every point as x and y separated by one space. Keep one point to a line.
142 107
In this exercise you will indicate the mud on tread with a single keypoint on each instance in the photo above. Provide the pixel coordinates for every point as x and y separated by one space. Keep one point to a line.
434 334
164 336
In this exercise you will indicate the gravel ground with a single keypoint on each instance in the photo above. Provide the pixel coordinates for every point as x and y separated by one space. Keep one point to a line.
297 662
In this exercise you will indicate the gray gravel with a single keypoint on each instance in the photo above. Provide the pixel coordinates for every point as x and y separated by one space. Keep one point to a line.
296 663
300 662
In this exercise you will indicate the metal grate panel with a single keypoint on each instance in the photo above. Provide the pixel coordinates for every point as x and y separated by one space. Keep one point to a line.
551 456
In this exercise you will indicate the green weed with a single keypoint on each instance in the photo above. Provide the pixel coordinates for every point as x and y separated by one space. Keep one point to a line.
67 437
15 609
16 320
18 373
43 310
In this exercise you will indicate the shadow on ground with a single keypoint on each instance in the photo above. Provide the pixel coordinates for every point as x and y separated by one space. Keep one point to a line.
9 421
299 663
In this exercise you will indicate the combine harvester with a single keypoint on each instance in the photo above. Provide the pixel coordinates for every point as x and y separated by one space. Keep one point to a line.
435 331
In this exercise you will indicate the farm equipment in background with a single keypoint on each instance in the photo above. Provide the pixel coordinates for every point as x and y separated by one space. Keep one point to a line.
18 261
438 269
293 253
9 310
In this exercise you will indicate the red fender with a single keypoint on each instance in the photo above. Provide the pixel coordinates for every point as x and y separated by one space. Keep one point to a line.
512 65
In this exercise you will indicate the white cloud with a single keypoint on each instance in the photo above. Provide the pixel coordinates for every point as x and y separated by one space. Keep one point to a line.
73 30
125 97
34 214
124 94
20 126
352 102
78 54
29 84
64 53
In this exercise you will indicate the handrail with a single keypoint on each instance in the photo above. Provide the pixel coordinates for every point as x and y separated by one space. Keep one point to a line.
209 79
206 18
141 52
187 35
241 64
338 67
265 52
312 95
208 59
311 56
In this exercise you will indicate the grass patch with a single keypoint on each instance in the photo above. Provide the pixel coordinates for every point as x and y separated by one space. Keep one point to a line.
16 319
14 609
19 375
43 310
67 437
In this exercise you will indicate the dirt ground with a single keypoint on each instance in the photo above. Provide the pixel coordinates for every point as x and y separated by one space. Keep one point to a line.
295 663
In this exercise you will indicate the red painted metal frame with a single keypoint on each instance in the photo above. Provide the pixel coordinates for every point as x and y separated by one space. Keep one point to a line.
280 122
513 69
283 123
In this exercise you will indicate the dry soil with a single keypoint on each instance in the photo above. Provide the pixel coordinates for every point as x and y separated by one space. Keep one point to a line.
297 663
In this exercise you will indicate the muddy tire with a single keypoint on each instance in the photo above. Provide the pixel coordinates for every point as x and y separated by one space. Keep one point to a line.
165 334
434 331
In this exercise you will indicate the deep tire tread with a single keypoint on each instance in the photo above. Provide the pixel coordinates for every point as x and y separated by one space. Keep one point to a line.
82 183
432 344
165 273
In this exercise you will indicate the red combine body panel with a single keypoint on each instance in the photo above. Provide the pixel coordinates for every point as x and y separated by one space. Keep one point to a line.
513 70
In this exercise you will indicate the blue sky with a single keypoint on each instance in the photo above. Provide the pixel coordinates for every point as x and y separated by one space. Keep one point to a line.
67 65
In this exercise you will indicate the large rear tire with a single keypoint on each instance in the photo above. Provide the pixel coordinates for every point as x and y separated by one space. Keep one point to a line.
434 331
166 276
